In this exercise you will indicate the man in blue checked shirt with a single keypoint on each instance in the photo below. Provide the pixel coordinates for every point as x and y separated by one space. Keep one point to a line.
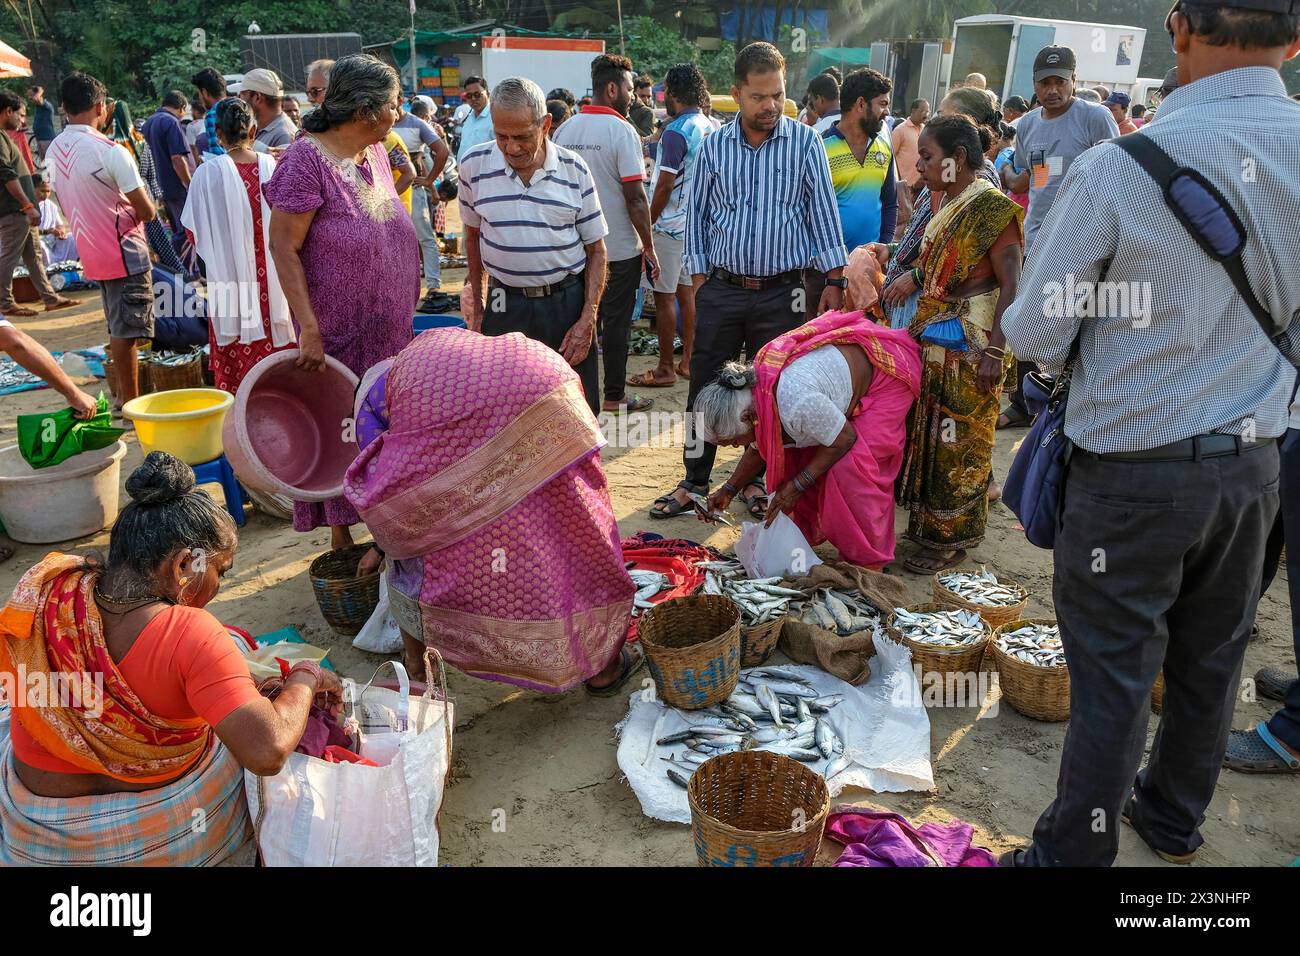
1175 409
762 207
211 87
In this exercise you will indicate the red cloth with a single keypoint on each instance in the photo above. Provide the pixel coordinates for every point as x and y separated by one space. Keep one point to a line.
336 754
675 557
230 363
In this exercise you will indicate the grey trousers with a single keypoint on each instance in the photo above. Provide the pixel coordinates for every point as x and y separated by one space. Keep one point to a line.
1156 564
20 242
422 216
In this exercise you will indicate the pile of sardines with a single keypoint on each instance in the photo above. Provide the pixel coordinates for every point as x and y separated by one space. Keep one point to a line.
1037 644
773 708
954 628
843 612
760 599
981 587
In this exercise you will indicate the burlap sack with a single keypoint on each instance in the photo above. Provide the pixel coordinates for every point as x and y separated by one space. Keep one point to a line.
845 657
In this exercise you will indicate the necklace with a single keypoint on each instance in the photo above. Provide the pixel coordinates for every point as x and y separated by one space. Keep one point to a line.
130 606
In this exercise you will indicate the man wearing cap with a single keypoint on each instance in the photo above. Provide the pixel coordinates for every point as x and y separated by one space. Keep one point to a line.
1118 104
262 91
1176 403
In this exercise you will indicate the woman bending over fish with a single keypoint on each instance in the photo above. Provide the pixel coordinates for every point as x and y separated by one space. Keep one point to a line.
825 407
486 494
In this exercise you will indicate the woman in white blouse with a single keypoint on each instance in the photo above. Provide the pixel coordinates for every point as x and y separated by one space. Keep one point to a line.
824 409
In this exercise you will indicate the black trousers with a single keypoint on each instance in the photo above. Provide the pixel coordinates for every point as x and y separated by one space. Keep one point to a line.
546 320
1156 564
729 320
1285 724
617 304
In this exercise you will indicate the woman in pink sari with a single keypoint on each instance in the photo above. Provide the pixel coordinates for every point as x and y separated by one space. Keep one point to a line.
480 478
825 408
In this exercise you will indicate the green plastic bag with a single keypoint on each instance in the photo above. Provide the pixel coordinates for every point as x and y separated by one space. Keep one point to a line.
45 440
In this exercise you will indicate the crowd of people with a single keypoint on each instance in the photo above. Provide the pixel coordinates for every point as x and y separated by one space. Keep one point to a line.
885 276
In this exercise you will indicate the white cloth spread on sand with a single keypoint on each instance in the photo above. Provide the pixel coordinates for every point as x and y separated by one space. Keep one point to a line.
883 723
218 214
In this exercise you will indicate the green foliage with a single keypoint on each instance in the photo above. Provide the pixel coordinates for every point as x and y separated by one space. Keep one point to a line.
171 68
654 48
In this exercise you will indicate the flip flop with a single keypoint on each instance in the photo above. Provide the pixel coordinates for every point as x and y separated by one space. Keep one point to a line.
915 567
1258 751
632 657
648 380
1274 682
61 304
675 507
22 312
633 403
683 372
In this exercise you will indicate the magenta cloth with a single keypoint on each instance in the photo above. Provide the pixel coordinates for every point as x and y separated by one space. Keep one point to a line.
881 838
362 263
323 730
535 595
852 505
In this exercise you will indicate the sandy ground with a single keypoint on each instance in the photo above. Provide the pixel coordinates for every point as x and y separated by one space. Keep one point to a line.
550 764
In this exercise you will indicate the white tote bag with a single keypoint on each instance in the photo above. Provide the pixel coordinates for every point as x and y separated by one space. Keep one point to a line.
315 813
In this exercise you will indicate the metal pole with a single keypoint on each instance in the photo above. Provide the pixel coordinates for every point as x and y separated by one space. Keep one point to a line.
415 83
621 50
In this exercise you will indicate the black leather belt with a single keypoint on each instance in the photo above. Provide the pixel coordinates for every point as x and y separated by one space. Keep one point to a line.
1189 449
536 291
758 283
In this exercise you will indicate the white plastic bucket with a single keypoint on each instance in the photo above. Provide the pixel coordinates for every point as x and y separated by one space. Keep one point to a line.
73 499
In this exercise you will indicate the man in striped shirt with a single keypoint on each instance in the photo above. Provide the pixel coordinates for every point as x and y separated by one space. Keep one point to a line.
533 224
761 208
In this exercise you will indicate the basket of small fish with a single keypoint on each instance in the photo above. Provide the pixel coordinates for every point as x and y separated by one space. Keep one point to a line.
762 603
172 370
1032 670
997 601
1158 694
757 808
943 639
692 647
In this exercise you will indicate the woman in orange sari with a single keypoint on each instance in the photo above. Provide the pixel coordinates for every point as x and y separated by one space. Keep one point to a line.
132 707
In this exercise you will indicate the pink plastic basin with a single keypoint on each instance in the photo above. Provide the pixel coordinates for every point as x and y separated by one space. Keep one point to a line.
290 431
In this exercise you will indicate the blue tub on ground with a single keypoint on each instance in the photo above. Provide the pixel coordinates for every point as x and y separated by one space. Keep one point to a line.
445 320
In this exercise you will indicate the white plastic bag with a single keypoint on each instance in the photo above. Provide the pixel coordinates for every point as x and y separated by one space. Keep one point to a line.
779 550
379 634
314 813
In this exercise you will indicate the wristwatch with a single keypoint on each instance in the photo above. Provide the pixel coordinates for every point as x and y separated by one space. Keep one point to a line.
840 283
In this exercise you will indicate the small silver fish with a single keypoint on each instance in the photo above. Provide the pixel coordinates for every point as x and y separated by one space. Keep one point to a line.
678 779
767 697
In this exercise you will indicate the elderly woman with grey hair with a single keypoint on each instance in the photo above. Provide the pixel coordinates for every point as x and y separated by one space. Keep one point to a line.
824 409
343 245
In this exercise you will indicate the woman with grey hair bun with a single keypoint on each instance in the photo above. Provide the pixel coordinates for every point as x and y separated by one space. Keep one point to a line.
824 409
344 248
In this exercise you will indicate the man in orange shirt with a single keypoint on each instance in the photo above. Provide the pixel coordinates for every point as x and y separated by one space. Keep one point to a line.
904 141
1118 104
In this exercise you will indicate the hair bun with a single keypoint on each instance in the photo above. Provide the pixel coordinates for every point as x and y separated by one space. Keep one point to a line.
736 376
160 479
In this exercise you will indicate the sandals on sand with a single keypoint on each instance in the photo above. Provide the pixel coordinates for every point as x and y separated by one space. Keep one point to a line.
1126 816
1012 418
648 380
757 504
673 506
633 403
1258 751
917 565
631 657
1274 682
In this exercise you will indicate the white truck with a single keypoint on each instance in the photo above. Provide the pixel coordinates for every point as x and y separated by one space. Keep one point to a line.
549 61
1003 49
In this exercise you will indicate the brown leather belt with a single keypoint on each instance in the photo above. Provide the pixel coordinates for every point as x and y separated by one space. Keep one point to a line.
758 283
536 291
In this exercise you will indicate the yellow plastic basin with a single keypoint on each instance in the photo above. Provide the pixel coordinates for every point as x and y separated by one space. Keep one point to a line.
185 422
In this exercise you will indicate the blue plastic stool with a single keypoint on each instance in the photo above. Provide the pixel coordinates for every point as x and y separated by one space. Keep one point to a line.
445 320
218 471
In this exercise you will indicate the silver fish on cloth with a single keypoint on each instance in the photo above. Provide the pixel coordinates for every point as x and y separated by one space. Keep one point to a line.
840 611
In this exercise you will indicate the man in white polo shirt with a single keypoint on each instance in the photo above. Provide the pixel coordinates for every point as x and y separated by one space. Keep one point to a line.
533 224
602 135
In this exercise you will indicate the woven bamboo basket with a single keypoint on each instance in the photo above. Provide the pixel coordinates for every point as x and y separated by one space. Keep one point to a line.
144 375
996 616
757 643
692 646
345 600
756 808
1158 694
1042 693
942 660
188 374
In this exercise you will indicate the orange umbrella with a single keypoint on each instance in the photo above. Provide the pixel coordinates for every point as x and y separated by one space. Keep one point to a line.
13 63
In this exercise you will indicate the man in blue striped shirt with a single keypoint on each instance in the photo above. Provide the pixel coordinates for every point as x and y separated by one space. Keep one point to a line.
761 208
533 224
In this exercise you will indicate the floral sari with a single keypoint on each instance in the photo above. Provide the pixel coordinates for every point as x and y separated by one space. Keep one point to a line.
480 478
949 460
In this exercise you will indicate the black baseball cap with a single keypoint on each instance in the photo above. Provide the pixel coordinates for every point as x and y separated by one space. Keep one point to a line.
1054 61
1287 7
1171 82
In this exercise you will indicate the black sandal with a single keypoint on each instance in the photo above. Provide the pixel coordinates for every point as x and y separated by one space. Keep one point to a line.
757 504
632 657
675 507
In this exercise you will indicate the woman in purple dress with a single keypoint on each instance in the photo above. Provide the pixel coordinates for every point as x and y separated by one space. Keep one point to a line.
344 247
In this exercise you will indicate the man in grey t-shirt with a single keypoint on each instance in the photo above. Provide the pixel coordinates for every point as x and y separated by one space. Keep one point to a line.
1048 139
